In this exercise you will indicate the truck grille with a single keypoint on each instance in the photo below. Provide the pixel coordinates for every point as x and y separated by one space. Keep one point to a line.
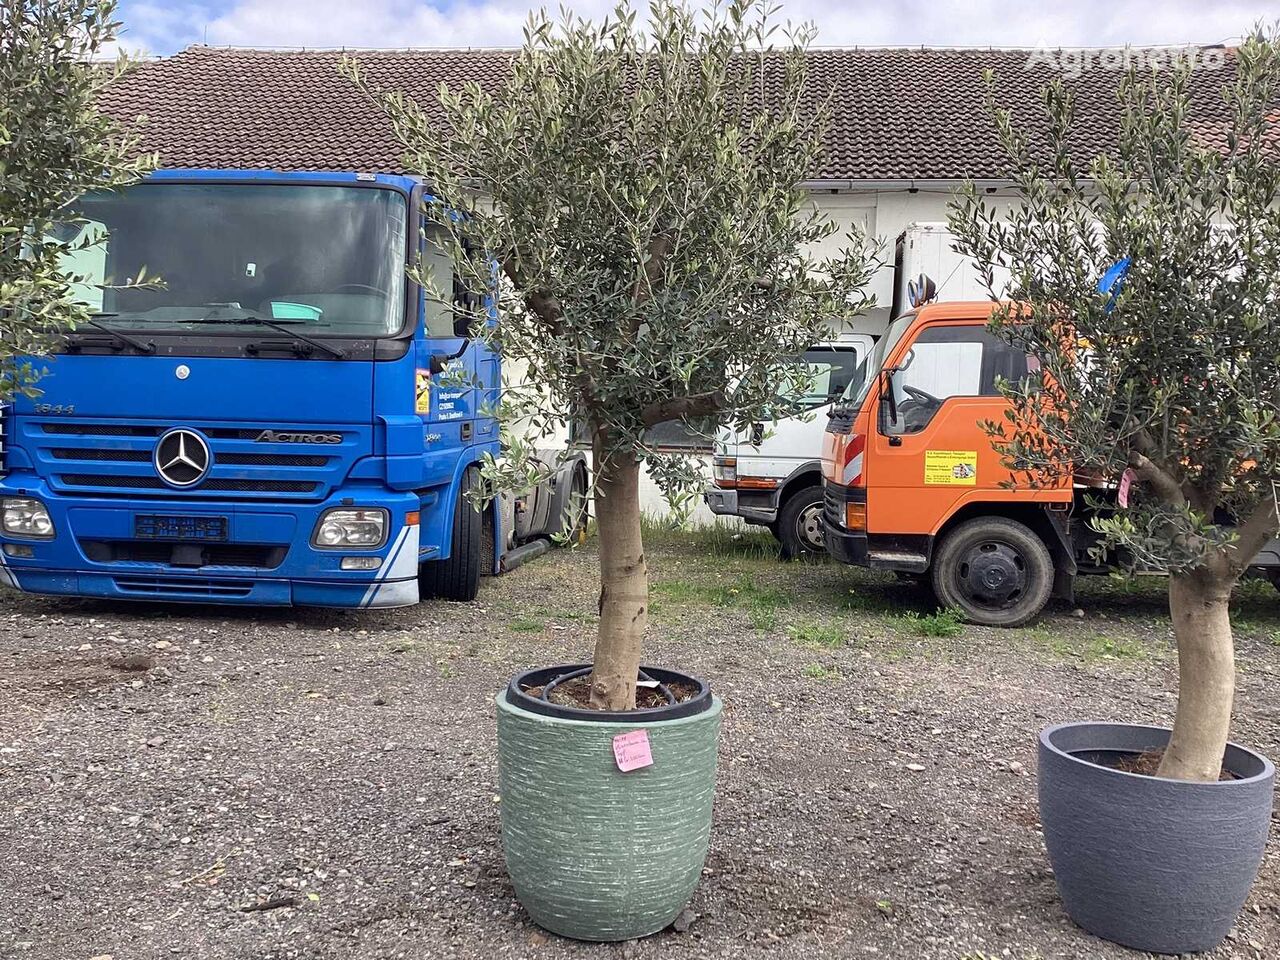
179 586
155 483
261 557
232 459
106 458
832 506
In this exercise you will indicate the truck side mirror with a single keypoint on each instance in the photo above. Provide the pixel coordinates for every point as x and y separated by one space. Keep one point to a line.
888 402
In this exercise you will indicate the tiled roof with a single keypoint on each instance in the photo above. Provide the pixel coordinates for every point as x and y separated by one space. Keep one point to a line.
897 114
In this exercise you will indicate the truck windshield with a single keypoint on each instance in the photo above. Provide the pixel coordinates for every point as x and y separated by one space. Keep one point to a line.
326 260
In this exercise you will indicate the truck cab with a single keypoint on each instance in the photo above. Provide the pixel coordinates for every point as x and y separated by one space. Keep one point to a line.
771 475
284 418
913 484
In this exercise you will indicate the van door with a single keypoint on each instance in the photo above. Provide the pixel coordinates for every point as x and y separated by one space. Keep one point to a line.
935 454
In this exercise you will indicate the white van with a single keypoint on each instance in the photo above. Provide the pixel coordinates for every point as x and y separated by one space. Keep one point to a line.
772 475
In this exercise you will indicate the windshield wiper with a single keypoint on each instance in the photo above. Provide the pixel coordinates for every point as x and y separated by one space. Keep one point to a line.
334 352
142 346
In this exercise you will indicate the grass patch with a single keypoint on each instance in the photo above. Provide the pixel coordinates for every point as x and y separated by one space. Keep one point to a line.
1103 647
760 603
816 671
720 538
526 625
940 623
827 636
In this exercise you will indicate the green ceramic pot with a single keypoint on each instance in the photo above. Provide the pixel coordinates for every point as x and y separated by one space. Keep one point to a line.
595 853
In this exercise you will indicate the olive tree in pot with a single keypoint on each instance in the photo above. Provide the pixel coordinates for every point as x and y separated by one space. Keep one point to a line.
637 188
1146 282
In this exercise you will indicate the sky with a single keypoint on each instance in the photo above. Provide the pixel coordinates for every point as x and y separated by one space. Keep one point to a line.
166 26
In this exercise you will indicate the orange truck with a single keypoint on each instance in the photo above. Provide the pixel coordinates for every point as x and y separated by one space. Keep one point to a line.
912 483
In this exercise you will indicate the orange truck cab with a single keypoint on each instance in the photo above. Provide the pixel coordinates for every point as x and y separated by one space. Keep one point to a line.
912 483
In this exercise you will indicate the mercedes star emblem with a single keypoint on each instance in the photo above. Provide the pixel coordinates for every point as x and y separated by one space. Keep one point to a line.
182 458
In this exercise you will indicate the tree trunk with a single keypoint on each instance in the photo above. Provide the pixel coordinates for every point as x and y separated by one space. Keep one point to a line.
624 582
1206 674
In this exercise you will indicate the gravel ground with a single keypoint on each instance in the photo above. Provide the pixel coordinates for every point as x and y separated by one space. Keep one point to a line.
162 769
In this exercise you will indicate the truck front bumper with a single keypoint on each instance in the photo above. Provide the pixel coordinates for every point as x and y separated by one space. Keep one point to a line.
266 557
844 545
723 503
758 506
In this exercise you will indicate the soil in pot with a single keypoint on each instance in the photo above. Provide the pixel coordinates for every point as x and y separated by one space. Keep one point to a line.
1144 763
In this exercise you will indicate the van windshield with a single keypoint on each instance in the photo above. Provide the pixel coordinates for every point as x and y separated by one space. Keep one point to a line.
327 260
830 371
860 382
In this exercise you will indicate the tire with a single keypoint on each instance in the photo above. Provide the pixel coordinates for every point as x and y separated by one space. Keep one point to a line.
993 571
799 525
579 512
457 577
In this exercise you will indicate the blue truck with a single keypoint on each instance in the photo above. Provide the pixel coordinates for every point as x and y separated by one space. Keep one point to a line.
286 418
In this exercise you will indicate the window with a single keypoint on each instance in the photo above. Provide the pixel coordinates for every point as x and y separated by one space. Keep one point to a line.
326 260
945 362
438 287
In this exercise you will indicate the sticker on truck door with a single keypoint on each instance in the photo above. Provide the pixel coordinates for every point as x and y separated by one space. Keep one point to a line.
422 392
951 467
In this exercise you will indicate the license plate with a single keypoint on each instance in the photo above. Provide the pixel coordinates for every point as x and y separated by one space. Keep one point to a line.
149 526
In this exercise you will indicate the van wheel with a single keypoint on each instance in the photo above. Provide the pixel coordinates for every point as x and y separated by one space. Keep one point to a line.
458 576
993 571
799 526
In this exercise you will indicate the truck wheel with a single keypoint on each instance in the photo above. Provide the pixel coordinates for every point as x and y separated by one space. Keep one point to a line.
579 514
799 526
994 571
458 576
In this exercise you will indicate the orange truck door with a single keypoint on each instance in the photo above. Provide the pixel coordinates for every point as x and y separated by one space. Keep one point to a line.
934 457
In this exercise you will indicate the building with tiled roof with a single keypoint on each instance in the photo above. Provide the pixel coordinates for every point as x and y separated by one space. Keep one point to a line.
906 124
898 115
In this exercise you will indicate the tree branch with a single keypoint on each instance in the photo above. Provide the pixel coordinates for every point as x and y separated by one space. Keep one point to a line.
545 306
699 405
655 258
1166 488
1252 535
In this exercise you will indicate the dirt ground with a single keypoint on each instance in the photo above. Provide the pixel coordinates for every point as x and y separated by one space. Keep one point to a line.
168 772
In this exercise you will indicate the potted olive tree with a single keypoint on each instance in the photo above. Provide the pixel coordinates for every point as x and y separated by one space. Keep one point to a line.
637 189
1146 283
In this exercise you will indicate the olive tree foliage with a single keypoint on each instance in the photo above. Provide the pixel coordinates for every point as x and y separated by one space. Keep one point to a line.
1173 372
638 188
54 147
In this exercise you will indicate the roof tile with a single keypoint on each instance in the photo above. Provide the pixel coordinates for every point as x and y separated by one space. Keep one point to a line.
896 114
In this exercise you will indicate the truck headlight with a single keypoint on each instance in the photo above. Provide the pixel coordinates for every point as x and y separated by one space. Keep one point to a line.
344 527
24 517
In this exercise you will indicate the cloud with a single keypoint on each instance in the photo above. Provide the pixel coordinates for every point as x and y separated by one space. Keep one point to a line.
165 27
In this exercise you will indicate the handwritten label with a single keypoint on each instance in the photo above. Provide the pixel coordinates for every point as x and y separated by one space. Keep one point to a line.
631 750
1126 481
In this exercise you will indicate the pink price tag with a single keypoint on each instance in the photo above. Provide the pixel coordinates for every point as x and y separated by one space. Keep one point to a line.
1126 481
631 750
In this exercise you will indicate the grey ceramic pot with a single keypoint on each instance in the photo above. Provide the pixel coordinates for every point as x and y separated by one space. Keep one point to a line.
595 853
1154 864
